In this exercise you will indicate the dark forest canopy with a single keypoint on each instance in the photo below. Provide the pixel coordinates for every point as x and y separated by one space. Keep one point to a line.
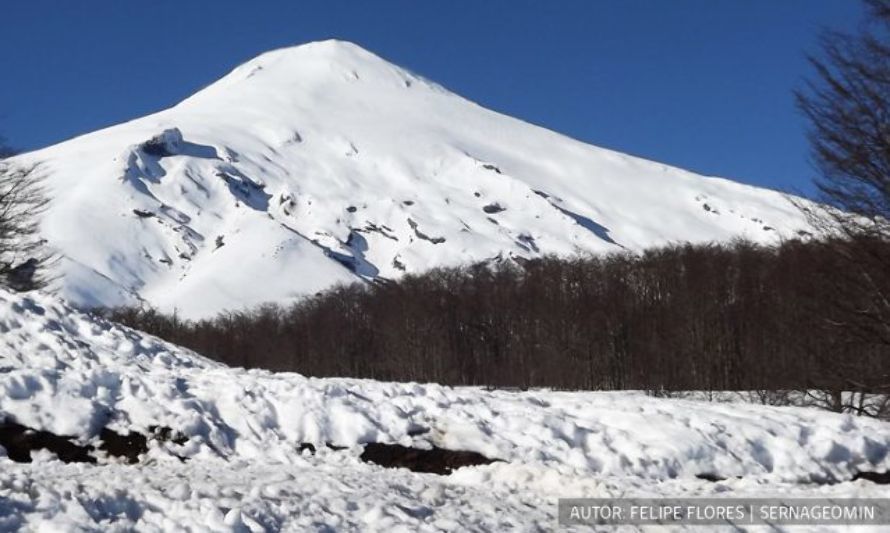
705 317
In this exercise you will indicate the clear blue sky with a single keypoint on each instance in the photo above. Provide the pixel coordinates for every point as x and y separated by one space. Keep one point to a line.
701 84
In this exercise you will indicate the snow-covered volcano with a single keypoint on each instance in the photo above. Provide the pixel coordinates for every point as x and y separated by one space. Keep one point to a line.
323 163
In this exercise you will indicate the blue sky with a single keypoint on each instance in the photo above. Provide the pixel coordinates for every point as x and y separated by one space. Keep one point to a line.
701 84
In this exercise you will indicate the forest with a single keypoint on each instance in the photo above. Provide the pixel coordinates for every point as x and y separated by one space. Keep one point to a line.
736 316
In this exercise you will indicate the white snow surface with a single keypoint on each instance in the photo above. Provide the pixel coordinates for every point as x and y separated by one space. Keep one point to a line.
72 374
323 163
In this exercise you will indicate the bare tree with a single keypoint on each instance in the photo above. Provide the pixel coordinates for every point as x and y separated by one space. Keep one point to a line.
22 200
847 105
848 108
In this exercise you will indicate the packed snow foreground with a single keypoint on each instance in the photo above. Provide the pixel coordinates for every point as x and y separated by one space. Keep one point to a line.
242 460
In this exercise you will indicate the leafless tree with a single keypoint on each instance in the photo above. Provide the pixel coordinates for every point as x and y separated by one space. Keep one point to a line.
847 105
23 253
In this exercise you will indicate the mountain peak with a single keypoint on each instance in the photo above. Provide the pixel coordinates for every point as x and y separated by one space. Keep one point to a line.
312 64
330 50
331 46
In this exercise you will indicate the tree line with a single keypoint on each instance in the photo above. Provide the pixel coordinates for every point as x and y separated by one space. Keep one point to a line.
736 316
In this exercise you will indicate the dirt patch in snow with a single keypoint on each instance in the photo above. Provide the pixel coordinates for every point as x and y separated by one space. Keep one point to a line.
432 461
494 208
19 441
879 478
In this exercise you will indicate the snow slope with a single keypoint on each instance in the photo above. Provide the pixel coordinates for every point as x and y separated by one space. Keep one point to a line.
323 163
242 468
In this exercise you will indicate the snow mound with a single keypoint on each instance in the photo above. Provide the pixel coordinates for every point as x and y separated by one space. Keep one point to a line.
73 374
323 163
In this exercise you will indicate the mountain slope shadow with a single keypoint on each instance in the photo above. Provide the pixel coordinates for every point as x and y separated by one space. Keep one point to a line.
144 160
244 189
356 262
597 229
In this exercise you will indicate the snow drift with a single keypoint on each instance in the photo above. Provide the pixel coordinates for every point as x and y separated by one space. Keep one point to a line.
323 163
73 374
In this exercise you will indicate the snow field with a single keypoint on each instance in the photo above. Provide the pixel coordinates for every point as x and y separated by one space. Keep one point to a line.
72 374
